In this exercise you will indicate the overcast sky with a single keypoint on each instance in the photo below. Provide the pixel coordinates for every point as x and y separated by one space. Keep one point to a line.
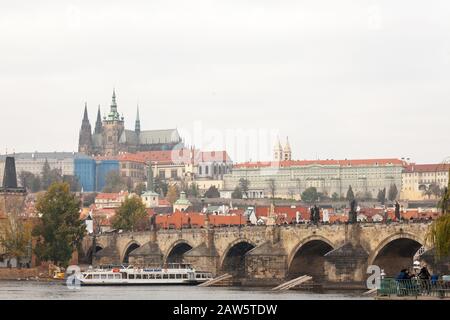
342 79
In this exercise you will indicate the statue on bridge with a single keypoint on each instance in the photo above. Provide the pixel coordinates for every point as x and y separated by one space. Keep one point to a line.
352 216
397 211
153 222
315 214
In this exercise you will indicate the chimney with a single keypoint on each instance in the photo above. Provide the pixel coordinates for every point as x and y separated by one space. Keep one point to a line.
9 176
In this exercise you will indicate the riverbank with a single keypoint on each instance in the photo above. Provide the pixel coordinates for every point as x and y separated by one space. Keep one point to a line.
23 274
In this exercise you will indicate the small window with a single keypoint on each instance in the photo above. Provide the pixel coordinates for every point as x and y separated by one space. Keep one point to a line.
145 276
110 276
131 276
171 276
178 276
96 276
117 276
165 276
158 276
103 276
138 276
151 276
89 276
185 276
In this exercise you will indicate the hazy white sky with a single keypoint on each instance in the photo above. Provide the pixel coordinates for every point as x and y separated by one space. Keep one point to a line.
342 79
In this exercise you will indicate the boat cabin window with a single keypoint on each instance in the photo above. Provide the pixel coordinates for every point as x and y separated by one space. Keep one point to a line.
198 275
171 276
110 276
145 276
178 276
89 276
131 276
103 276
165 276
158 276
151 276
117 276
96 276
185 276
138 276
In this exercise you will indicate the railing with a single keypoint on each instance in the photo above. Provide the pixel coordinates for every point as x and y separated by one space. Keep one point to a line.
414 287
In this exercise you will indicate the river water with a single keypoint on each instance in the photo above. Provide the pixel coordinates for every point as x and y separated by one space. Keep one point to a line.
31 290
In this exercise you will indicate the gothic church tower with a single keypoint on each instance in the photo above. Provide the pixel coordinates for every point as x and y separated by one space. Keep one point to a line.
113 126
85 139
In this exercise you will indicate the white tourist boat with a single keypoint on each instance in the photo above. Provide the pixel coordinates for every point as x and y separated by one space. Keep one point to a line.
173 273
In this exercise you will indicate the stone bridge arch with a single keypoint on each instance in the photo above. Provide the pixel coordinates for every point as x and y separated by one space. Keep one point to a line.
307 257
396 252
175 252
129 247
232 259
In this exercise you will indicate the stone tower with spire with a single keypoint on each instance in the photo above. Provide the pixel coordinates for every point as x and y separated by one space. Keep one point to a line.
287 154
278 151
98 123
110 137
137 125
113 126
85 139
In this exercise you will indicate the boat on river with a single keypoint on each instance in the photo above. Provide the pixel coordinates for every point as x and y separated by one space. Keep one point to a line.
172 273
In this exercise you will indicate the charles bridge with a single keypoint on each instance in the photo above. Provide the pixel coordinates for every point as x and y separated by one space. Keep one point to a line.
269 254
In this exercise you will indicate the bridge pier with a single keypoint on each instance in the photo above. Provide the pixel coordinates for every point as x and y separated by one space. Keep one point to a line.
149 254
204 257
266 264
346 264
109 254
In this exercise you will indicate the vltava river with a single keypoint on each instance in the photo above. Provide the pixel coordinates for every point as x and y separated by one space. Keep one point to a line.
31 290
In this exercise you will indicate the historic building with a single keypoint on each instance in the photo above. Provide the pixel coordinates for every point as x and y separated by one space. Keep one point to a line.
424 181
288 178
110 137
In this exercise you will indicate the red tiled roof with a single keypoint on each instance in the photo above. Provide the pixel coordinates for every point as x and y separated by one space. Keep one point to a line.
197 219
341 163
110 196
427 167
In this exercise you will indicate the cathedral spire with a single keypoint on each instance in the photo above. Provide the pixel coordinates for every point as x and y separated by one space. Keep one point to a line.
113 114
85 116
98 123
85 138
137 126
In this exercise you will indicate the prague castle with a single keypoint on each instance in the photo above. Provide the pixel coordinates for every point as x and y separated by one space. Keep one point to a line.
110 137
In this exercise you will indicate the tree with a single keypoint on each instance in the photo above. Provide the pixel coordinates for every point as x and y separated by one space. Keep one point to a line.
89 199
439 236
140 188
350 195
131 215
435 190
49 176
172 194
161 187
244 186
60 230
392 194
193 190
26 179
237 193
212 192
36 186
272 188
381 197
73 182
310 195
114 182
335 196
15 237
